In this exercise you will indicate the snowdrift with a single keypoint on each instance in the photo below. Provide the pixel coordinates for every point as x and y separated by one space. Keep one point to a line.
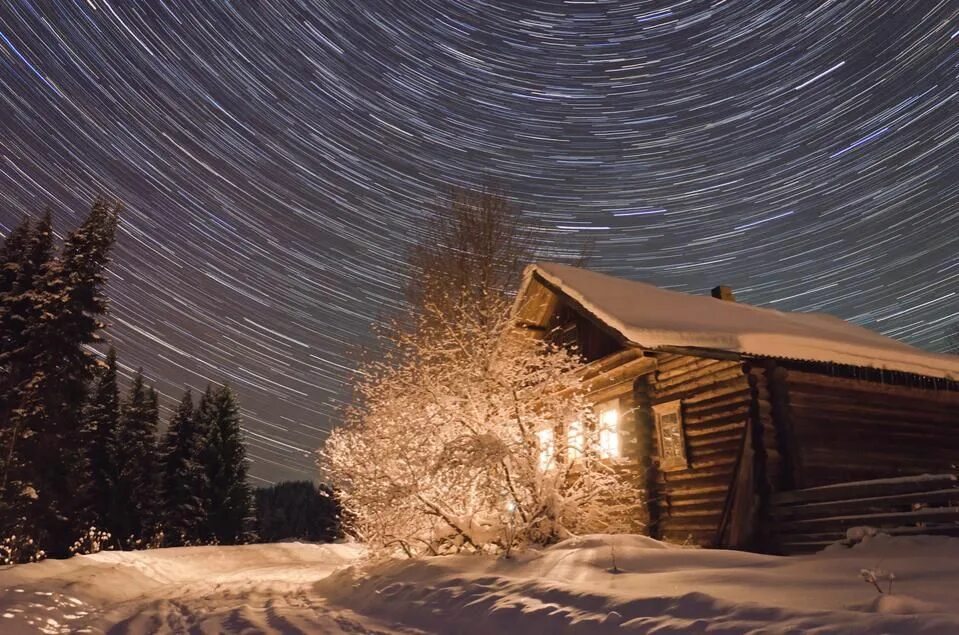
574 588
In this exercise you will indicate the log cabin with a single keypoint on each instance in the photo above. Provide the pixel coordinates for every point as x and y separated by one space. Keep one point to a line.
751 428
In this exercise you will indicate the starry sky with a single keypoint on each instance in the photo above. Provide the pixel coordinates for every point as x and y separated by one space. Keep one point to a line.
277 157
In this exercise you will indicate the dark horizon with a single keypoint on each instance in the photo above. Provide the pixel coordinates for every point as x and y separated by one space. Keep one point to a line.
276 160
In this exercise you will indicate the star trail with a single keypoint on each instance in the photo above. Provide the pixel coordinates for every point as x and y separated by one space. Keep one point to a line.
277 157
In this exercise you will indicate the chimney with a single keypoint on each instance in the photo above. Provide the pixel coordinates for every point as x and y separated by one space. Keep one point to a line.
722 292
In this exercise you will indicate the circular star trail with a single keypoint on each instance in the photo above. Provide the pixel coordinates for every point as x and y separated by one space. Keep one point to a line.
277 157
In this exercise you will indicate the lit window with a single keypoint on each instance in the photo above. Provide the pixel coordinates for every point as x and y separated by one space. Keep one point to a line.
547 449
575 440
672 441
609 430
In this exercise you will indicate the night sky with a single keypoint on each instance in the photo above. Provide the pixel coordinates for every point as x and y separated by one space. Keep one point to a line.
277 157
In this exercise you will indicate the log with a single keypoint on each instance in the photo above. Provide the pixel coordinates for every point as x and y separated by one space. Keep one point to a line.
737 413
739 390
794 377
863 489
865 505
890 412
694 374
878 519
695 364
700 432
732 376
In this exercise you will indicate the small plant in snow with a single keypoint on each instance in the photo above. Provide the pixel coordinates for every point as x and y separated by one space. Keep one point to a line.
94 540
876 575
614 568
19 550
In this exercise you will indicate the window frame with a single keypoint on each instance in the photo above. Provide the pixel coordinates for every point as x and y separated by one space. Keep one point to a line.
610 405
679 461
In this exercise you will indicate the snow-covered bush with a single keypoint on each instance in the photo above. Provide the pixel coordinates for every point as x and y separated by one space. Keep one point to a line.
19 550
93 540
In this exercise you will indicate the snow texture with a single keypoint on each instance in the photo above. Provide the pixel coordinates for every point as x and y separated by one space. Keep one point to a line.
568 588
650 317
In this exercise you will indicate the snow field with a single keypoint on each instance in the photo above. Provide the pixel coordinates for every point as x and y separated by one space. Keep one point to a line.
572 587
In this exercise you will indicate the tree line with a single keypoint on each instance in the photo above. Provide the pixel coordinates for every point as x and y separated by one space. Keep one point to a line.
81 468
298 510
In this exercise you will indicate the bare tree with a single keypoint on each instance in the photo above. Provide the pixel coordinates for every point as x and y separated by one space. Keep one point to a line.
472 255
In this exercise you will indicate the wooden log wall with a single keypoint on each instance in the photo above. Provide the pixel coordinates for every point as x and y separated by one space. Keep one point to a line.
807 520
717 397
839 429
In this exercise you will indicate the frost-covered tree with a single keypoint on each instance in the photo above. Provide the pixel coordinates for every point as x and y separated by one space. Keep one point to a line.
459 434
184 480
463 443
229 498
47 368
133 522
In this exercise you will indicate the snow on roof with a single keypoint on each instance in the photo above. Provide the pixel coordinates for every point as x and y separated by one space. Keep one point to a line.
650 317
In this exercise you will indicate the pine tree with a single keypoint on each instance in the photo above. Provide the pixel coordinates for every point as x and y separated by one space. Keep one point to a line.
102 430
230 504
136 487
184 480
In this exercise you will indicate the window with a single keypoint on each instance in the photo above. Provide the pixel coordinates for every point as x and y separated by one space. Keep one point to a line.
547 449
575 440
669 428
609 429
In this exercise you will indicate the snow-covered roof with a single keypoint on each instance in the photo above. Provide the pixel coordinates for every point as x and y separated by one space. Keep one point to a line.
651 318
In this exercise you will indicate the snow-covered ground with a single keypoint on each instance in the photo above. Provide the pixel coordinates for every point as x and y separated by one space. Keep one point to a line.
246 589
569 588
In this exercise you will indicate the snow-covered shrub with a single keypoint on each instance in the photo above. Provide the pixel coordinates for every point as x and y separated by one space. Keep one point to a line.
93 540
459 443
20 550
859 534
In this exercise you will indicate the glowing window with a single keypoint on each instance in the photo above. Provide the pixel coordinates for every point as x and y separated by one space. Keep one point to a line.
575 440
609 429
547 449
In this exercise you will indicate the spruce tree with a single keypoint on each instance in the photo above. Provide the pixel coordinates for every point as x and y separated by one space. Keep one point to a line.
27 267
230 499
136 487
102 430
203 418
184 481
13 256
